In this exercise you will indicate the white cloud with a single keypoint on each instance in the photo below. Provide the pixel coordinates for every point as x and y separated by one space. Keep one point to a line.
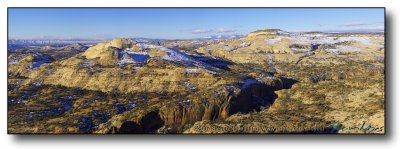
201 31
378 26
373 27
207 31
354 24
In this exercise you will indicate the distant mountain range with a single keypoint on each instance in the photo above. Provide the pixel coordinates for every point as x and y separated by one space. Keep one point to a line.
62 42
15 43
51 42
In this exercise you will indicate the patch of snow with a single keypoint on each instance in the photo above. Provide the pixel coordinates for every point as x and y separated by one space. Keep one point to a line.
210 72
245 44
271 63
192 70
189 86
87 63
269 58
130 51
273 40
363 40
37 83
131 105
280 32
300 50
171 54
304 40
266 75
14 60
136 68
229 48
314 35
177 56
130 57
325 39
187 102
49 70
196 70
174 55
343 49
39 60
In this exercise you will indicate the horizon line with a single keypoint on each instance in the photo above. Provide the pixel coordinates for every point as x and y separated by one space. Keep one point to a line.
205 37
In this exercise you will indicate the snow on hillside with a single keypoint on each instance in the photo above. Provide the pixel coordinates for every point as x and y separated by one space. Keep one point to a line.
229 48
128 56
343 49
14 60
197 70
174 55
273 40
40 59
171 54
363 40
305 40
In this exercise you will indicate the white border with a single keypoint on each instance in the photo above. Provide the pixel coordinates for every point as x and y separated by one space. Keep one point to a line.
391 140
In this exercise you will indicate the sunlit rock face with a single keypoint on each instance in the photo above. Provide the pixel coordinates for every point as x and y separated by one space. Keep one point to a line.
268 79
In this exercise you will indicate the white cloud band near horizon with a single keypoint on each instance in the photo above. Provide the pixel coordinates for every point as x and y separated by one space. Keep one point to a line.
212 31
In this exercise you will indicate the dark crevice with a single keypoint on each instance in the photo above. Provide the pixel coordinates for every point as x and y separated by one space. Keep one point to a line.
288 82
257 96
148 124
130 127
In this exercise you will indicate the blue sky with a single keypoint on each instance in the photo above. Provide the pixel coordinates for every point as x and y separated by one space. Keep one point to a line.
183 23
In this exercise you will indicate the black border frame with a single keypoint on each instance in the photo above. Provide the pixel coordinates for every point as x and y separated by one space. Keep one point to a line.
228 134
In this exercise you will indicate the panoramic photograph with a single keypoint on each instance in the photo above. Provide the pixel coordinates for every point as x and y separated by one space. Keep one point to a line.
196 71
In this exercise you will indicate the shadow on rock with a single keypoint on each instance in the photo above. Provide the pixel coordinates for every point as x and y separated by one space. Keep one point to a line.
258 95
149 124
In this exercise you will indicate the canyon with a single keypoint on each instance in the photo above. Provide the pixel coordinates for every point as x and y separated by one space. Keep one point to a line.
270 81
